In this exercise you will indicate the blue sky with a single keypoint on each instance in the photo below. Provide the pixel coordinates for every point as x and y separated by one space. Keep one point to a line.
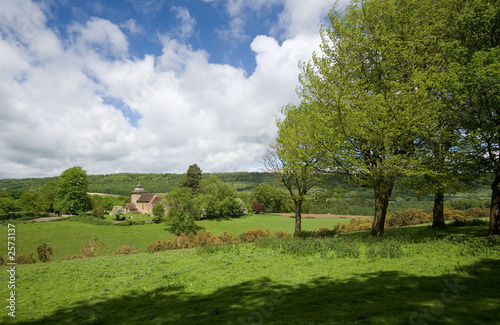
148 86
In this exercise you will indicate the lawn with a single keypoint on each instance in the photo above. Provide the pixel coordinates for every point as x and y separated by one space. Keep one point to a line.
415 276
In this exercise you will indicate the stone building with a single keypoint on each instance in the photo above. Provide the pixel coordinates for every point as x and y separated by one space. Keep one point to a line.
142 201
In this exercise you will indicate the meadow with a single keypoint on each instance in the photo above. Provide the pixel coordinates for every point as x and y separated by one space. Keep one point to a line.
415 275
67 236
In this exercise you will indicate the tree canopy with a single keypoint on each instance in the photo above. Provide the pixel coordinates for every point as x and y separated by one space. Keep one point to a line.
71 194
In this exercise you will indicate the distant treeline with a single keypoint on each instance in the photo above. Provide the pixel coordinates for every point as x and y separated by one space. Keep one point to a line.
124 183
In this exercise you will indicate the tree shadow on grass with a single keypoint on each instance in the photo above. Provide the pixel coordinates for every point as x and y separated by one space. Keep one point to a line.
369 298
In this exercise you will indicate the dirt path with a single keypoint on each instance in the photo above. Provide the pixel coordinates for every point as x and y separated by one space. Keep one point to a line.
322 216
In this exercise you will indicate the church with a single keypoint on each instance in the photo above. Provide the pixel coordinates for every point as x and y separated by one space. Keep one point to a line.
142 201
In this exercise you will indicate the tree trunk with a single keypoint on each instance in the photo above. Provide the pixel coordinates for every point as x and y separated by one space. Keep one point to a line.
495 207
438 212
383 190
298 215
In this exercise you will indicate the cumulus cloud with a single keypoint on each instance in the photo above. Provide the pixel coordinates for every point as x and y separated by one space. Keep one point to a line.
59 99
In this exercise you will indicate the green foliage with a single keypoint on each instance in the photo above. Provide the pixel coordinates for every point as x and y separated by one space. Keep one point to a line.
158 213
44 253
193 178
218 200
274 200
317 233
97 210
183 210
71 195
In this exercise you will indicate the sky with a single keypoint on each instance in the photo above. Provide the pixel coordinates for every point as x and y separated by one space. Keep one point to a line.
148 86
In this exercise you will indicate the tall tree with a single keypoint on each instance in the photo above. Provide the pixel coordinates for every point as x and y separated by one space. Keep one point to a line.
71 195
193 178
370 89
475 47
293 159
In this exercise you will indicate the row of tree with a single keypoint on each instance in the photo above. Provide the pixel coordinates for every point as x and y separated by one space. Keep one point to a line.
401 90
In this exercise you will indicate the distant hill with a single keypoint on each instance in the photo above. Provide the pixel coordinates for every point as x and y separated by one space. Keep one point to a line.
124 183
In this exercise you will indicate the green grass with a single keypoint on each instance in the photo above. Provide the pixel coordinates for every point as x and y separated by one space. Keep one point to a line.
440 277
267 221
67 237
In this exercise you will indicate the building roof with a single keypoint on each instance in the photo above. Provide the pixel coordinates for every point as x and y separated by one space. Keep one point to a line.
146 197
156 200
130 206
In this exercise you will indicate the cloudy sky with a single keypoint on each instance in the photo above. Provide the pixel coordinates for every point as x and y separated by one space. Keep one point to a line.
147 86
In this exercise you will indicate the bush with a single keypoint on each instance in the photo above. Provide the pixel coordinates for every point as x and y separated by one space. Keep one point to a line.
475 213
450 214
259 207
406 218
158 213
91 247
252 235
317 233
280 234
1 260
227 238
355 225
125 250
158 246
25 259
44 253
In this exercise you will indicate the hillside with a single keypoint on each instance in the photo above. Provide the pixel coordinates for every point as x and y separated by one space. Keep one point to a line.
122 184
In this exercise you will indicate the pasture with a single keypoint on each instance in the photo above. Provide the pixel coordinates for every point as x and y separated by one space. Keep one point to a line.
415 276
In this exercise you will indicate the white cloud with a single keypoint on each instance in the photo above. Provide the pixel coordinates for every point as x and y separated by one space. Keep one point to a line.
132 27
100 34
53 113
186 22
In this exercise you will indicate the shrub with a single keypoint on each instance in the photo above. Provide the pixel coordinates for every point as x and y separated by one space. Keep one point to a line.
97 211
227 238
125 250
317 233
408 217
475 213
252 235
158 246
91 247
1 260
280 234
259 207
450 214
158 213
44 253
25 259
355 225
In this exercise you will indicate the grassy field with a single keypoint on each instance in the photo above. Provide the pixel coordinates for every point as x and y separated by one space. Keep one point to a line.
67 237
414 276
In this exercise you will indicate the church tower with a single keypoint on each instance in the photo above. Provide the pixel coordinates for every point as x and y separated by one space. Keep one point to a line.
139 190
